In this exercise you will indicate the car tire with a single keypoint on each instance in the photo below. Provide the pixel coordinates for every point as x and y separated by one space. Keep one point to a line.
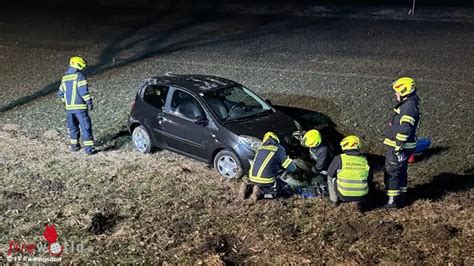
228 165
141 140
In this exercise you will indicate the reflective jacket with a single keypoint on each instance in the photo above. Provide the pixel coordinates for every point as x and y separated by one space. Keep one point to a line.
403 123
74 92
352 173
270 159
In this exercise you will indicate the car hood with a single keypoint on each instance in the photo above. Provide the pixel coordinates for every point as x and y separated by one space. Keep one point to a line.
277 122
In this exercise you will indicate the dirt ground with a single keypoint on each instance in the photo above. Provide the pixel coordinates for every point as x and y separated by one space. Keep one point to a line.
331 73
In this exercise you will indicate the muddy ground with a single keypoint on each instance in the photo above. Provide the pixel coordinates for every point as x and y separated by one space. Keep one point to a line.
333 72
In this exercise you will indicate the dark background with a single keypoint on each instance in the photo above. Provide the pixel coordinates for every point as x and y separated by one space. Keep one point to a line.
157 4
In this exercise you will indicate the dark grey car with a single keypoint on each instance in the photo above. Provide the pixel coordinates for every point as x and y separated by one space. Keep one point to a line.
208 118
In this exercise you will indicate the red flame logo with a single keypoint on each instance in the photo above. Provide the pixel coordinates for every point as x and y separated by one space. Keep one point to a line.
50 234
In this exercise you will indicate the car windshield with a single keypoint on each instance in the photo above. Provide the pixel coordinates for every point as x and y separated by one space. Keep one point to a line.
235 103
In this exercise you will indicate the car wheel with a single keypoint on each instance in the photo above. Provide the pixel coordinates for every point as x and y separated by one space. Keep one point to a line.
228 164
141 140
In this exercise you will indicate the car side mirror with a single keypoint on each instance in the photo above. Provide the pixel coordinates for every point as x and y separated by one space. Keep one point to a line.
200 120
268 101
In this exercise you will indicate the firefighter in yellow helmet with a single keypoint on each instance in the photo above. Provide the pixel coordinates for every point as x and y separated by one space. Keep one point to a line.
400 139
269 162
74 93
319 152
349 176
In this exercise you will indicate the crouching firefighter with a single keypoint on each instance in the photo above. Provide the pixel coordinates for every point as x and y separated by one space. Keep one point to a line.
74 93
349 176
320 154
268 165
400 137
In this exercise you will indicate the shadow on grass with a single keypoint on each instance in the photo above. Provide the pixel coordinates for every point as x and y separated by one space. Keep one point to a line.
115 141
441 185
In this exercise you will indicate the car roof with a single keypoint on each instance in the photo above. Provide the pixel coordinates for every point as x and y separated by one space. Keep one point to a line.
194 82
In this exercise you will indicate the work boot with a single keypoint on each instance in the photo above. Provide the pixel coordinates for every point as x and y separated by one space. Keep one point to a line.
256 194
74 148
90 151
392 203
243 191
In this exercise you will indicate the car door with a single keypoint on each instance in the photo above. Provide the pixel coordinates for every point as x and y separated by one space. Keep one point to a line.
154 97
185 125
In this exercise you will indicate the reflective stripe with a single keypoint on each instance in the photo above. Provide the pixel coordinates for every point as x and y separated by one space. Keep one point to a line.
86 97
393 193
82 83
287 163
73 141
262 180
391 143
88 143
264 164
397 110
407 119
69 77
61 87
352 181
76 107
74 93
403 189
401 137
344 188
269 148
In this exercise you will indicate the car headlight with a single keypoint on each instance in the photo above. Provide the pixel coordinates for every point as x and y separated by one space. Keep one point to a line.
250 142
298 125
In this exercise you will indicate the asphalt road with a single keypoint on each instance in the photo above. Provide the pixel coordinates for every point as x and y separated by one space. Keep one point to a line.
339 68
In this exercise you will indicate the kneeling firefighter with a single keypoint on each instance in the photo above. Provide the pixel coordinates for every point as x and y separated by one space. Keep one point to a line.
320 154
269 163
349 175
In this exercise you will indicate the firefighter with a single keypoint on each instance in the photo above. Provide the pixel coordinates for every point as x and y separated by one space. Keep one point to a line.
269 162
400 137
349 176
319 152
74 94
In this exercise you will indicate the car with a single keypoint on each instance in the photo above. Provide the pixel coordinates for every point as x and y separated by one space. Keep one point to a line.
207 118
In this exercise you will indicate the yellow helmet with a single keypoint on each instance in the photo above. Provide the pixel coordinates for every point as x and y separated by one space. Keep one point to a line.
312 138
404 86
272 135
351 142
78 62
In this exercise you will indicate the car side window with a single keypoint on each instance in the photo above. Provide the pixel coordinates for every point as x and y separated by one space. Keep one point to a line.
183 104
156 95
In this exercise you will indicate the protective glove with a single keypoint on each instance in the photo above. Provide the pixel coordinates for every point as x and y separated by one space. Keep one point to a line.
400 156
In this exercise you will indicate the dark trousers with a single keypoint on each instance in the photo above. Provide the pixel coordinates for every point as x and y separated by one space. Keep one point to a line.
396 176
278 189
78 123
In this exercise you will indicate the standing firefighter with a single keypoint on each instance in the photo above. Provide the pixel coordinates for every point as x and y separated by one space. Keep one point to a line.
400 137
349 176
269 162
74 93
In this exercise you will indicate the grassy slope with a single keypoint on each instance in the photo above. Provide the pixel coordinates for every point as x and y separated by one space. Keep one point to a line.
165 207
